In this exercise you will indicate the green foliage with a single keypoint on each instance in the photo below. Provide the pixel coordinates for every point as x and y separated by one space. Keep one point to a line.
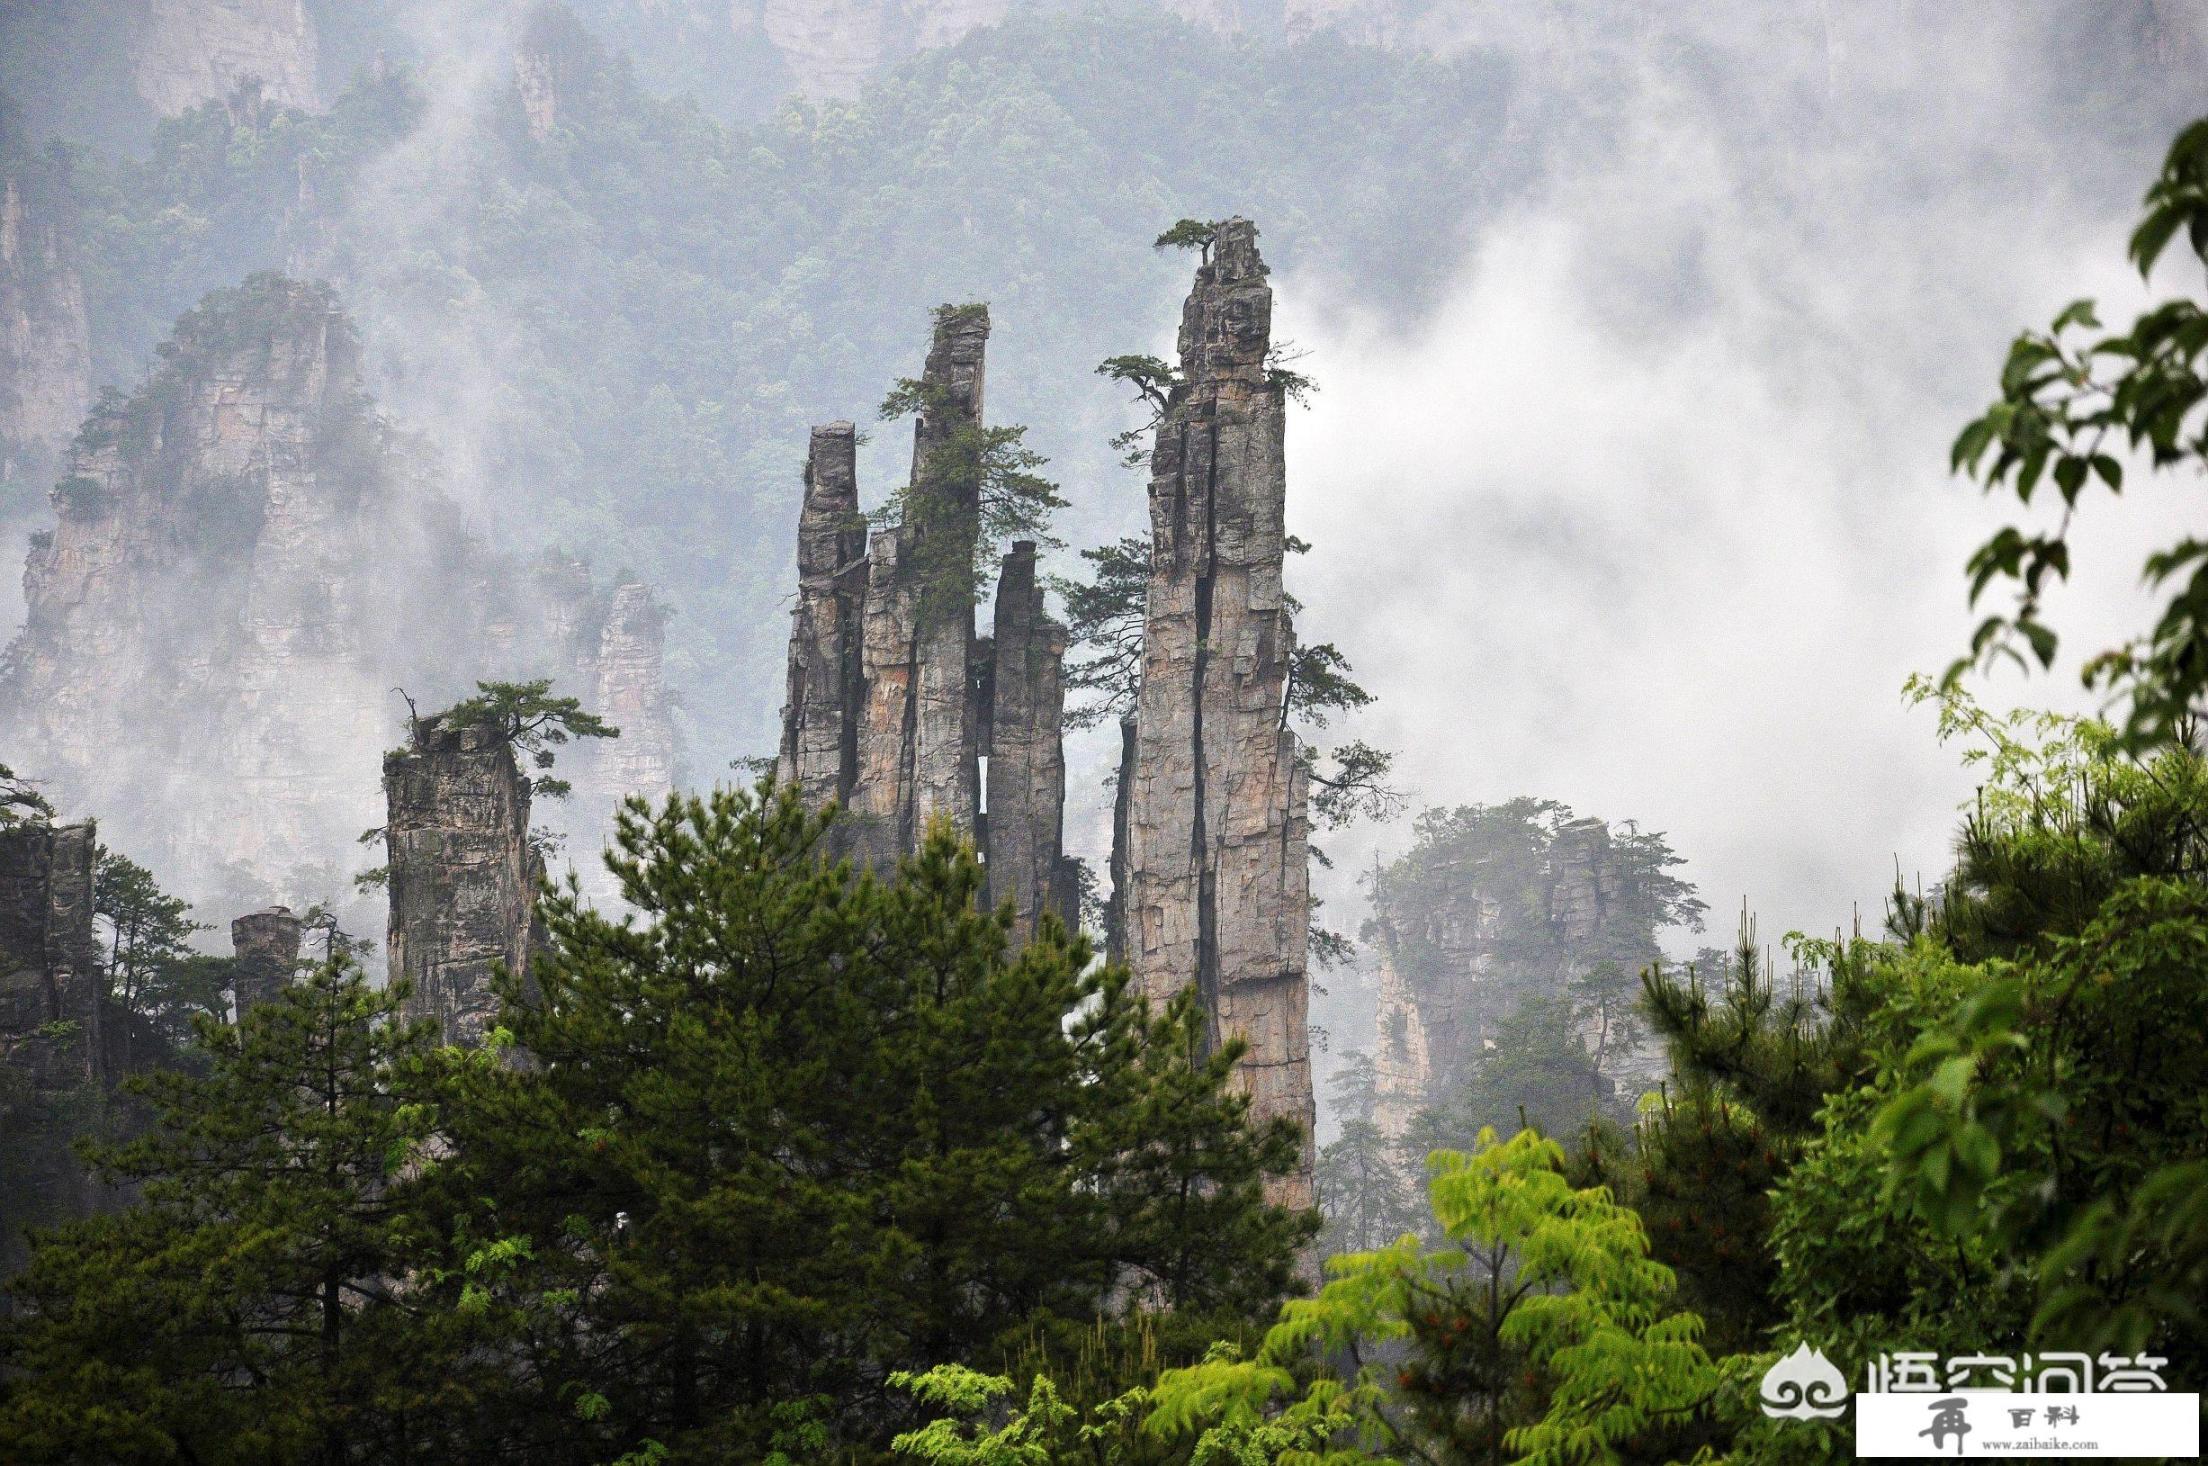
528 717
787 1129
1364 1184
152 971
244 1308
1196 234
1104 618
1154 382
2071 401
2056 1115
20 801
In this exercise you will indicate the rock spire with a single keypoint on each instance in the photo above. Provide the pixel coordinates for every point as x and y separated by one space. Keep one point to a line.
1215 830
894 700
463 874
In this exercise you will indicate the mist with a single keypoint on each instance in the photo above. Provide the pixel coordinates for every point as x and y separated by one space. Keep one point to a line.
1652 514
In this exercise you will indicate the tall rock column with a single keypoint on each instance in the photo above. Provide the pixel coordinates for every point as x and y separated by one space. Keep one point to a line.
1218 895
820 722
944 508
463 873
1027 758
50 984
266 945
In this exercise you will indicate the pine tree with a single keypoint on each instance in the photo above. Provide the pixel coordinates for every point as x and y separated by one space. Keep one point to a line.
1365 1188
248 1307
789 1128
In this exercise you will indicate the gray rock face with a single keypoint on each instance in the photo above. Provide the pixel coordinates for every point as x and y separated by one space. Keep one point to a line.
893 700
266 946
621 676
820 728
45 351
1027 758
946 518
1459 950
1215 850
190 51
50 981
1123 786
463 874
244 560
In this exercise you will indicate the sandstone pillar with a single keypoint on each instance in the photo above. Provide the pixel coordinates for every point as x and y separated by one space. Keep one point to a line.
1027 761
1218 894
820 721
944 511
50 981
463 873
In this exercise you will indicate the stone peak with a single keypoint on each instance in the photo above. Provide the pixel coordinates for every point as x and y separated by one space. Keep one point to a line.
1227 323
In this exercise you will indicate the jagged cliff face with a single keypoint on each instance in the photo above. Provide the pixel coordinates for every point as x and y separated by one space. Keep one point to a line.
463 874
185 52
45 355
1215 832
197 616
1466 929
244 562
893 700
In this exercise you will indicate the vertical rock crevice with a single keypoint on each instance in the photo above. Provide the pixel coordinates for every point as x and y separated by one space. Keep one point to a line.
1027 761
1215 835
896 704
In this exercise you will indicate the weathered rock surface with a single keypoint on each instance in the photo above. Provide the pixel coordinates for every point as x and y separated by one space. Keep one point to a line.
45 355
463 873
944 519
266 946
1027 758
245 560
820 719
1218 885
57 1059
1463 940
894 702
50 979
185 52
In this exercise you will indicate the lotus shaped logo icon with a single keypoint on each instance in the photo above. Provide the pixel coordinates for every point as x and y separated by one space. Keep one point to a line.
1804 1386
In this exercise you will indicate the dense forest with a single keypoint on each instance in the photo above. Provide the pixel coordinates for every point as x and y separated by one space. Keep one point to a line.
636 1089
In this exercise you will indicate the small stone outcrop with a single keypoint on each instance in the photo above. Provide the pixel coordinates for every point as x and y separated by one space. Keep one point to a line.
50 980
894 701
1215 830
265 946
463 873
